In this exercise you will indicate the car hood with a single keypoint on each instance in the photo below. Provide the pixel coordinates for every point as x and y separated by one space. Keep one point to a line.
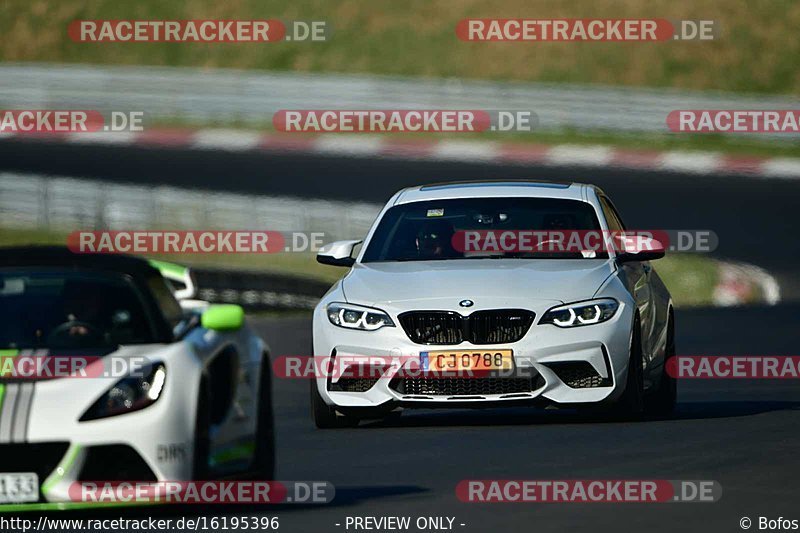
96 362
481 280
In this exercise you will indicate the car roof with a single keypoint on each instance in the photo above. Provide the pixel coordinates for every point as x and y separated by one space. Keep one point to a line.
139 270
492 188
61 256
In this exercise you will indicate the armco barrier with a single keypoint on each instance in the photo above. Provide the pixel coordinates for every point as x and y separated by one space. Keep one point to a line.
226 96
53 202
258 290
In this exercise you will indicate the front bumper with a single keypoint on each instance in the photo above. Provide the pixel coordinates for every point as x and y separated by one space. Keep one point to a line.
58 465
566 366
46 437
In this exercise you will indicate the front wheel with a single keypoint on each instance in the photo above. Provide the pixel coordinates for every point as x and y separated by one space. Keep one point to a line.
202 440
631 403
325 416
264 459
662 401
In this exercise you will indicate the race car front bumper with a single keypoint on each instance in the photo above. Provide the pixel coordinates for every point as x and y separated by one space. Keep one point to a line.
563 366
41 432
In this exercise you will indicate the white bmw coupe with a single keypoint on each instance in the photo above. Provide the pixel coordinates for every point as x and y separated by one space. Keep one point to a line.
458 297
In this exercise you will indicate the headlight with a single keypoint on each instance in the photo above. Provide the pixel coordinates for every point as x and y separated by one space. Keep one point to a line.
581 313
129 394
357 317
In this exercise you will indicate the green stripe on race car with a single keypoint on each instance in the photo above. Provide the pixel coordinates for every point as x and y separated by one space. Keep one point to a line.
63 467
66 506
237 452
169 268
5 353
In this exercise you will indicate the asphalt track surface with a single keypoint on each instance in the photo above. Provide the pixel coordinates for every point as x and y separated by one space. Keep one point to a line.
742 433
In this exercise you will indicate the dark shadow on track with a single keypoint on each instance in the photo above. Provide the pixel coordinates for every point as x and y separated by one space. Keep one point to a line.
525 416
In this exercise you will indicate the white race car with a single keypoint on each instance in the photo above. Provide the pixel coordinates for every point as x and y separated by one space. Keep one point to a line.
169 390
589 327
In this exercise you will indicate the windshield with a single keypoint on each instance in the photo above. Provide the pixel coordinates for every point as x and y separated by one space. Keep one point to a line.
432 230
70 310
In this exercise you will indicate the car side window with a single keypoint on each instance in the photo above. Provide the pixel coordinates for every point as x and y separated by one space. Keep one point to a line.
612 217
166 301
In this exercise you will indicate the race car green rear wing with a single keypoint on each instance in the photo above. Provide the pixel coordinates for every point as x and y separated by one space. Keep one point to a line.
179 277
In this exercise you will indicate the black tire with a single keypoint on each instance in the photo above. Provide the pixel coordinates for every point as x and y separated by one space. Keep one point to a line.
631 404
202 439
662 401
325 416
264 459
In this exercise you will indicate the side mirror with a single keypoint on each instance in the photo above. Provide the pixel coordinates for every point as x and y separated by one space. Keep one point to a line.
337 253
223 317
641 248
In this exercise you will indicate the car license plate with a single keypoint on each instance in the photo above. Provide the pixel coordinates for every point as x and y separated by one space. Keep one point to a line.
19 487
455 361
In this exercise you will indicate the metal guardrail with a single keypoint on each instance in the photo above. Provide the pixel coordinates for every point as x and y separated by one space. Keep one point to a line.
247 97
49 202
258 290
54 203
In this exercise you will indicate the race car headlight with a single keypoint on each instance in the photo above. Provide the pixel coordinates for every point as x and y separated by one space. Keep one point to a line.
357 317
129 394
581 313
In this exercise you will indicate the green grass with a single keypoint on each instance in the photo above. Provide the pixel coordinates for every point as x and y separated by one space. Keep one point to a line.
690 278
729 145
757 49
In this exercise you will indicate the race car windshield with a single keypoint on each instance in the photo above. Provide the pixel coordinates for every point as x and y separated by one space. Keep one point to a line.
70 310
483 228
